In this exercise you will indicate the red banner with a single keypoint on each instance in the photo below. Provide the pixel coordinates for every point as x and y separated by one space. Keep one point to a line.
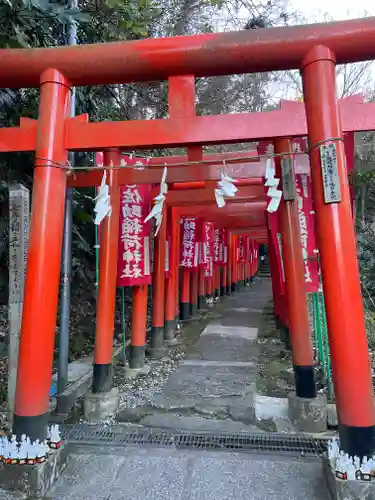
273 223
134 238
253 257
99 158
307 227
217 243
241 249
223 247
189 243
247 249
207 250
167 255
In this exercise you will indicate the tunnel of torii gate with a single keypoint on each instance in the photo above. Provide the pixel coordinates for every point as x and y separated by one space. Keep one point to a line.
314 50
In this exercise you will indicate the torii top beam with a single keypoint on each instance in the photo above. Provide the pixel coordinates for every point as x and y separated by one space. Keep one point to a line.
205 55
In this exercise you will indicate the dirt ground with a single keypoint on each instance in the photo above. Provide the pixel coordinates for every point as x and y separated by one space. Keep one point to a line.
275 373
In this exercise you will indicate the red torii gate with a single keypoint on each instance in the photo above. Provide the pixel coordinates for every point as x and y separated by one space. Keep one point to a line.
232 164
314 50
247 218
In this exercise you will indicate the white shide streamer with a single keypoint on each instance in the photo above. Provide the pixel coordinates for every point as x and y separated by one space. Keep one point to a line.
272 183
102 202
157 209
225 188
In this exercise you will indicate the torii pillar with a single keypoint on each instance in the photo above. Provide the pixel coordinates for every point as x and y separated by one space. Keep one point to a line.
305 401
103 399
43 264
351 367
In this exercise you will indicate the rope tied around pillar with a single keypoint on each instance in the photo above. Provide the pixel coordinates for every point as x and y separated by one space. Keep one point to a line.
51 163
325 141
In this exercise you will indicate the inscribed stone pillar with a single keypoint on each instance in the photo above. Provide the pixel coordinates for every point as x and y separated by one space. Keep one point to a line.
19 214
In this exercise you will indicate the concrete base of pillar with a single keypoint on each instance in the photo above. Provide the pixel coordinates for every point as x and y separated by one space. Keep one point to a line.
101 405
34 481
170 328
135 372
332 419
343 489
172 342
193 310
308 415
184 311
157 352
202 303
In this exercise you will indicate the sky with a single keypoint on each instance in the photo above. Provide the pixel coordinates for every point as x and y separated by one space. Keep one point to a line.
317 11
337 9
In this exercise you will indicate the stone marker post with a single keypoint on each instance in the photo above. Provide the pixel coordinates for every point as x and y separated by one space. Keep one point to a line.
19 215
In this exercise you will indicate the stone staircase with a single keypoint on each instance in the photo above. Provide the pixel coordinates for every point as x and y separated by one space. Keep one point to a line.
264 269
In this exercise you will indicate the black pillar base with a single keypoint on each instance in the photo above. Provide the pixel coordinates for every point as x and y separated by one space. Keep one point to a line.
357 441
305 381
285 335
157 337
34 427
284 332
223 291
217 292
201 302
184 310
170 329
193 309
233 287
101 378
137 356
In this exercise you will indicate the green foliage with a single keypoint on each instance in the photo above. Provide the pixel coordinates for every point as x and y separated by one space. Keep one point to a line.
366 258
35 23
44 23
